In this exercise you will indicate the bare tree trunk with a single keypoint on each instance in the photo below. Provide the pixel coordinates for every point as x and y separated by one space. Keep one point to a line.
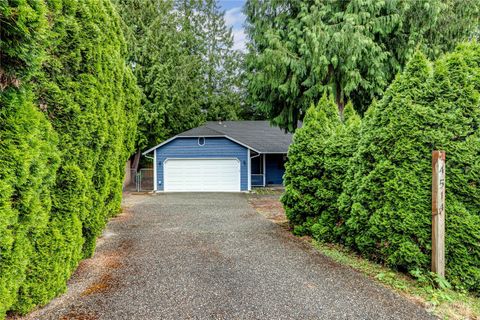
339 99
136 160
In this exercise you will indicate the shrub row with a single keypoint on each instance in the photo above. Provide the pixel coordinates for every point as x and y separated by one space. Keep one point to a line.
68 114
368 186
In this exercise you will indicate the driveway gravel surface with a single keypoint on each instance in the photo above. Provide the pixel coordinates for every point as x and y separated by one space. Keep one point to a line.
211 256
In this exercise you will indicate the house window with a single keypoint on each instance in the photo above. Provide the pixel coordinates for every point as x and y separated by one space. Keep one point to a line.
201 141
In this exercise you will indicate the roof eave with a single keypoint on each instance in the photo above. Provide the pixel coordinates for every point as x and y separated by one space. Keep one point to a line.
201 136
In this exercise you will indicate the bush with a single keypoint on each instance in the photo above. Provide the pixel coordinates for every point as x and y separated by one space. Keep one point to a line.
337 151
317 163
368 185
387 195
23 26
28 162
28 153
301 170
67 126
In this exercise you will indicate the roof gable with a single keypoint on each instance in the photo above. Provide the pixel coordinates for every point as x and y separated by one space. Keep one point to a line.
258 136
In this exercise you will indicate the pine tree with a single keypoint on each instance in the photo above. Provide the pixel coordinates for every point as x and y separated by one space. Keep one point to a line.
351 48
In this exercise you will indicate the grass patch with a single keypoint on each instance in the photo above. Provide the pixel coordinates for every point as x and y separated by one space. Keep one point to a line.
266 191
434 294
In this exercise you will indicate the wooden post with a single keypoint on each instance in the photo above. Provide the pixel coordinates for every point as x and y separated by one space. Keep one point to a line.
438 212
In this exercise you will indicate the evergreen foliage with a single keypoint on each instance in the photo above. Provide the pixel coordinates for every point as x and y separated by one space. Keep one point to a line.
183 58
221 91
316 168
352 48
20 43
368 184
166 71
338 150
28 154
28 162
387 196
67 126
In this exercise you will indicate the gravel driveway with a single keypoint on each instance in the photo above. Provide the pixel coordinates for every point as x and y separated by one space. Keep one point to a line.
211 256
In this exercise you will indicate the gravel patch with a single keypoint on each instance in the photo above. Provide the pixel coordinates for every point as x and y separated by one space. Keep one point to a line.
211 256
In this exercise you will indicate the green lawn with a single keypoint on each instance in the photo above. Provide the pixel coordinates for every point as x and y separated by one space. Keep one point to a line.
434 295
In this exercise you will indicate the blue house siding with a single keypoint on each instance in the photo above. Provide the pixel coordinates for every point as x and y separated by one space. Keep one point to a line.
275 168
213 148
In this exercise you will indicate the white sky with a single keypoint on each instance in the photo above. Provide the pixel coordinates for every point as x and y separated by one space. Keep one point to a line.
235 18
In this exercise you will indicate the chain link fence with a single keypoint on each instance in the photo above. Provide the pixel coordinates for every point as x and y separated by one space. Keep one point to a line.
142 180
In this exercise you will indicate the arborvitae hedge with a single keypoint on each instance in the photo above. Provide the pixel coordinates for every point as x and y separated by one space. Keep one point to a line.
68 117
301 171
386 218
23 24
28 154
338 150
387 196
317 163
368 185
28 161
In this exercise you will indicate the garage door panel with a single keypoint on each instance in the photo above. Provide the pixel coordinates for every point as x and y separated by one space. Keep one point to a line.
202 175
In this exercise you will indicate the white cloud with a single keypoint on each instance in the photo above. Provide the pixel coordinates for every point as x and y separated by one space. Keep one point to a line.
235 19
239 39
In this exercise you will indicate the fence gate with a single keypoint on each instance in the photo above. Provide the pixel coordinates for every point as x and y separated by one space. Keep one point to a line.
142 180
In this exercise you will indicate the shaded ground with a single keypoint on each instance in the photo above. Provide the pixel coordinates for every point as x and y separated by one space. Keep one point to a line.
211 256
267 204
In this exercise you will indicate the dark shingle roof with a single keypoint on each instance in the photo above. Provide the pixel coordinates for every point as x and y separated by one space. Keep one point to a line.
258 135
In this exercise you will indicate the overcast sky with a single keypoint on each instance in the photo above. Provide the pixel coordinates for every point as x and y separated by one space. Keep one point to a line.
235 19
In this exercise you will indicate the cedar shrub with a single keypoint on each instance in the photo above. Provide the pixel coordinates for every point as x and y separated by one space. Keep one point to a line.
317 163
28 163
387 194
368 184
68 118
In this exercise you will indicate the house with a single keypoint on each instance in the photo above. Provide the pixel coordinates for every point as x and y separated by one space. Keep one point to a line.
227 156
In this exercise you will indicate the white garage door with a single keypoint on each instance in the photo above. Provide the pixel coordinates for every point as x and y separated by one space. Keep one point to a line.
202 175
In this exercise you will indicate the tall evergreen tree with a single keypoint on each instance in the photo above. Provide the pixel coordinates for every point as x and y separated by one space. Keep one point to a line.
166 70
316 169
351 48
182 55
222 93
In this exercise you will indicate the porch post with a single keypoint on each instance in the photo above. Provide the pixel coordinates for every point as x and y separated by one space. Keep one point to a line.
249 171
155 183
264 170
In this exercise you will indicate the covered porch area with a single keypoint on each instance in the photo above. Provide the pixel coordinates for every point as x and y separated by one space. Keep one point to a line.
267 169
